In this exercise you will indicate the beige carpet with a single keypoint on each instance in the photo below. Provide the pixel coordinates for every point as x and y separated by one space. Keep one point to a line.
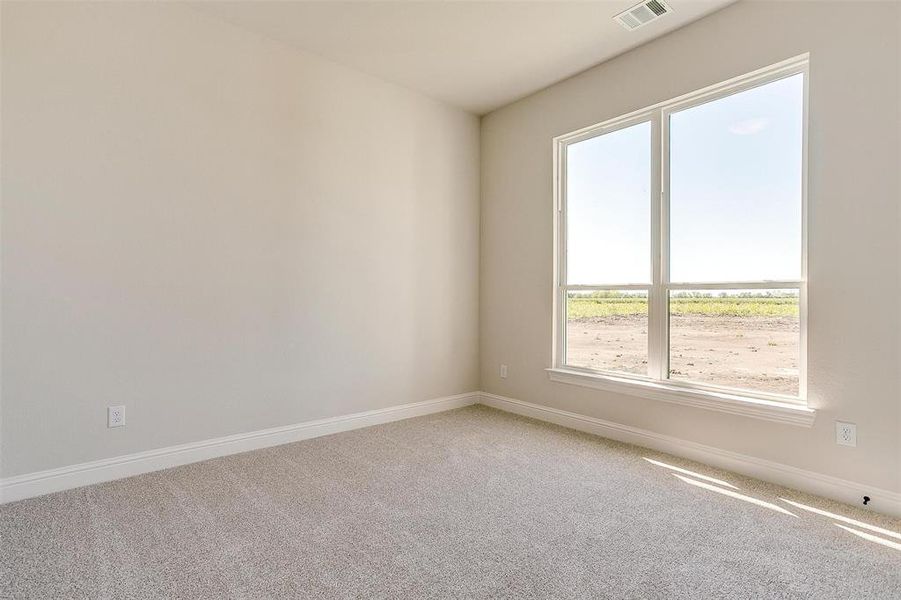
472 503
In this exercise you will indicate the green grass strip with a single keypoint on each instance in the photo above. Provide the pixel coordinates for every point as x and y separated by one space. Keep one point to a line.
580 307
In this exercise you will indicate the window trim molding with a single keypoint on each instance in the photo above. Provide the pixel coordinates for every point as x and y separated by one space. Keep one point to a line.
790 413
657 384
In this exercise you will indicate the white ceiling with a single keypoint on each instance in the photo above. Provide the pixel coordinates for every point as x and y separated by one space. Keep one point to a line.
475 55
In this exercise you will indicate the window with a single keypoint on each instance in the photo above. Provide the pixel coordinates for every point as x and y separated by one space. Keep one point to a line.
681 242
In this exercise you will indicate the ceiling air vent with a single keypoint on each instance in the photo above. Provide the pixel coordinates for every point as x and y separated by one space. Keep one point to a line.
642 14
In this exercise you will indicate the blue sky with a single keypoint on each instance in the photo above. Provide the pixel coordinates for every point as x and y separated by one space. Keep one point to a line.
735 204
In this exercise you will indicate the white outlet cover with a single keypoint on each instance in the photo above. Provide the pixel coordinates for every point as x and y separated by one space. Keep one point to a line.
846 434
115 416
503 371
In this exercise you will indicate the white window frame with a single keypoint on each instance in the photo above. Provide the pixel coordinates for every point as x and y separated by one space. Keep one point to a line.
657 384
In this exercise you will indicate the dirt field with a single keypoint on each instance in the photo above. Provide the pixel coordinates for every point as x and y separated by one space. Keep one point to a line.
758 353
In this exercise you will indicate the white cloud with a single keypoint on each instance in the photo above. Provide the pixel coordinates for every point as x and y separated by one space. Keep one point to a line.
750 126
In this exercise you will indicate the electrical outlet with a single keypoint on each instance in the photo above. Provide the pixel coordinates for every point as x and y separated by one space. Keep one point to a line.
503 371
845 434
115 416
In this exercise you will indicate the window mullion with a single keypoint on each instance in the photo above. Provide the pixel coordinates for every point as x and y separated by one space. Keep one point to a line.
657 320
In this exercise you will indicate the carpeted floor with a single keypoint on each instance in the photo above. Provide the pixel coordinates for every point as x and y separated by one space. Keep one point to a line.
472 503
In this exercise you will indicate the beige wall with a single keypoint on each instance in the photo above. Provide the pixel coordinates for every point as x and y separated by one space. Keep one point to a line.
855 153
219 232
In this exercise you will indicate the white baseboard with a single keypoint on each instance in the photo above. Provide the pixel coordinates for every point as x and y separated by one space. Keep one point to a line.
849 492
55 480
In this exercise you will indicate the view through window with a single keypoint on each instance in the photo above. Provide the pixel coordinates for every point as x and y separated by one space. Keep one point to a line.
682 240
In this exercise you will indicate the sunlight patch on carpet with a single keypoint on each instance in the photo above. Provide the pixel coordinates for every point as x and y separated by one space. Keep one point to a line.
736 495
692 473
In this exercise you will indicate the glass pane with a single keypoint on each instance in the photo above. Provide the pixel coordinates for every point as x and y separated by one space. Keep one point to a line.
735 186
607 331
608 207
746 339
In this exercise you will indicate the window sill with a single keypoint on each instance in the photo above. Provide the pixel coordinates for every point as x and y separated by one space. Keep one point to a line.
769 410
